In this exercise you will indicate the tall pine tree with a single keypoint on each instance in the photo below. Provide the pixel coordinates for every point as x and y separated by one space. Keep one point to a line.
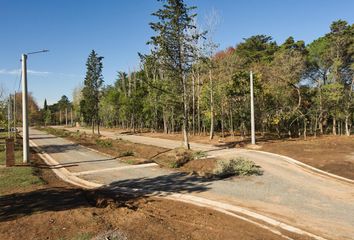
89 105
174 46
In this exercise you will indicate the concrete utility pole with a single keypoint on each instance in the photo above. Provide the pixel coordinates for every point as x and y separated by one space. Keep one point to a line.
253 137
25 129
25 111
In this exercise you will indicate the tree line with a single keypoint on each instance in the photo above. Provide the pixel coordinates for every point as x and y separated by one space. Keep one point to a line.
184 85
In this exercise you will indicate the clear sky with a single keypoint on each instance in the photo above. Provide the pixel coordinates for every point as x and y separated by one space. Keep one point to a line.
118 29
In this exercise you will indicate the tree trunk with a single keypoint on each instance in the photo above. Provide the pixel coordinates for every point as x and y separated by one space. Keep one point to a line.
165 127
198 103
321 109
93 127
98 126
222 121
185 115
193 102
231 122
347 132
305 128
315 132
66 116
347 128
173 121
334 125
211 135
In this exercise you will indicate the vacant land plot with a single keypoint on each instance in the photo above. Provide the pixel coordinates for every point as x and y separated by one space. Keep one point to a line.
334 154
329 153
179 159
47 208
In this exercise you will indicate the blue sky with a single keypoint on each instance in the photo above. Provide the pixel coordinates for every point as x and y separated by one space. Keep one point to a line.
118 29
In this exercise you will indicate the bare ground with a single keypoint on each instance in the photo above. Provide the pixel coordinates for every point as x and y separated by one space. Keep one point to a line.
57 210
334 154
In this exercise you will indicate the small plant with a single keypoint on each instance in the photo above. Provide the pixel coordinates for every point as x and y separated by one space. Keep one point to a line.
238 166
104 143
182 157
199 154
83 236
173 165
127 154
131 162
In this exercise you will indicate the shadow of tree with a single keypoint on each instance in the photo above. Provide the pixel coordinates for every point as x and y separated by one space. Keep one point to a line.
18 205
60 148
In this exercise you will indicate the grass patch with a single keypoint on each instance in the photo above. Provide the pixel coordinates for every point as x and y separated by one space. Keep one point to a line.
83 236
238 166
17 177
173 165
127 154
104 143
199 154
131 162
56 131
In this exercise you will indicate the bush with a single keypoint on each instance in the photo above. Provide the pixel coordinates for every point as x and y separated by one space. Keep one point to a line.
104 143
199 155
126 154
238 166
182 157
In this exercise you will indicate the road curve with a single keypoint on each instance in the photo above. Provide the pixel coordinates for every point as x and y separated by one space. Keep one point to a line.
286 192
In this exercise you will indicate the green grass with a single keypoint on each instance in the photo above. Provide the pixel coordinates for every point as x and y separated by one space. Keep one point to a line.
104 143
126 154
131 162
199 154
82 236
18 155
56 132
17 177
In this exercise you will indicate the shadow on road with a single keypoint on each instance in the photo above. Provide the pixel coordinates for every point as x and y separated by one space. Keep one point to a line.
119 193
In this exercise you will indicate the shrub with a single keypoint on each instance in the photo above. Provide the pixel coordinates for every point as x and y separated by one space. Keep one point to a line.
182 157
238 166
104 143
199 154
127 154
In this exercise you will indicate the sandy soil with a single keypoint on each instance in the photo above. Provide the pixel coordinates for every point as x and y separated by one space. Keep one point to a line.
57 210
334 154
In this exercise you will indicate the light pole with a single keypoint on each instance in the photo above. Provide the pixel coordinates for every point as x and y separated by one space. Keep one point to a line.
25 130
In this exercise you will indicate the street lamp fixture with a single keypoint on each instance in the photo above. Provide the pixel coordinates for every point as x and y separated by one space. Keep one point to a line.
25 129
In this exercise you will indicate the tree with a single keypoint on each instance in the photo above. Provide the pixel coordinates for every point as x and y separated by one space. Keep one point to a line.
77 97
209 48
89 105
47 115
64 104
173 45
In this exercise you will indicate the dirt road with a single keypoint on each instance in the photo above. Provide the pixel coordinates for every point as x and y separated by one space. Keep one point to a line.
285 192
